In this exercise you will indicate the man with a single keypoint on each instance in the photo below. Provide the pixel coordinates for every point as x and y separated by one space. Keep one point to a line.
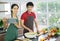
28 18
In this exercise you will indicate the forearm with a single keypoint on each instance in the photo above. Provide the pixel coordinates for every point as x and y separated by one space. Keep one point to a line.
25 27
17 24
36 26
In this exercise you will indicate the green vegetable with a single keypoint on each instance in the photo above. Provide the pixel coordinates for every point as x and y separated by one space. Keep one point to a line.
58 32
1 23
45 29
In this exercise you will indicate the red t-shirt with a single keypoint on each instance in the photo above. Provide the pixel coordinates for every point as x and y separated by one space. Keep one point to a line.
24 15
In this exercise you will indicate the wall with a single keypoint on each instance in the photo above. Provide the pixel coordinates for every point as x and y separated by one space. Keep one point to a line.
21 4
11 2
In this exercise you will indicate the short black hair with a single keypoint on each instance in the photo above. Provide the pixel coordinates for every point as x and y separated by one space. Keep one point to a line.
29 4
12 6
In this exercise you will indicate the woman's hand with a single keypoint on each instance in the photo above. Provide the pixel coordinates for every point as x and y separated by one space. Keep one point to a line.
17 25
5 24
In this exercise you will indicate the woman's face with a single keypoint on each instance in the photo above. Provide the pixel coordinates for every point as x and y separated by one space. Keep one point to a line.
15 9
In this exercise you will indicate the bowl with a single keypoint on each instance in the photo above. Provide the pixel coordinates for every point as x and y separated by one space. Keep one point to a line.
31 35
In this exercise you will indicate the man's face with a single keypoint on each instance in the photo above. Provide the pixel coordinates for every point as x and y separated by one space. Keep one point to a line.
29 8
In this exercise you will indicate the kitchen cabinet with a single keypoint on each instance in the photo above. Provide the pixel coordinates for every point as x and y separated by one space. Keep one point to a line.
4 10
20 32
2 36
2 7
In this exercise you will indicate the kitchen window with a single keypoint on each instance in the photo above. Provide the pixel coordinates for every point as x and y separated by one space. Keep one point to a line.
47 11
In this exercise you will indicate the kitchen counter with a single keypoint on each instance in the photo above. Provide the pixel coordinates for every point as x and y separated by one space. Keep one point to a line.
2 34
34 39
31 39
51 39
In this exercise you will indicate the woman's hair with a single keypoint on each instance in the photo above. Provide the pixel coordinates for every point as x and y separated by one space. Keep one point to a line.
12 6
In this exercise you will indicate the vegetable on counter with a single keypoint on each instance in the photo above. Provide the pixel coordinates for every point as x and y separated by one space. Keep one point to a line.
58 32
43 31
1 23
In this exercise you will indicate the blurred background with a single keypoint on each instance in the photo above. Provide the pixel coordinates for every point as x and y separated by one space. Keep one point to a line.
47 11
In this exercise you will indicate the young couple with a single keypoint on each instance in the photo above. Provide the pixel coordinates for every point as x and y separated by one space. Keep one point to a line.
28 18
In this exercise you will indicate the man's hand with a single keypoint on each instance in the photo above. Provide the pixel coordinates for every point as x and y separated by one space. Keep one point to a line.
38 31
30 30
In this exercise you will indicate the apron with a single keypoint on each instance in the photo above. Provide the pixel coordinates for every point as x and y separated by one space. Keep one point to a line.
12 33
29 23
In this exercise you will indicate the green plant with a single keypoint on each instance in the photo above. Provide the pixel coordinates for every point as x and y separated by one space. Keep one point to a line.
1 23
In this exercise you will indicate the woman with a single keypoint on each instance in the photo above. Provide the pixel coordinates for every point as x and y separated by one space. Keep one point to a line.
12 30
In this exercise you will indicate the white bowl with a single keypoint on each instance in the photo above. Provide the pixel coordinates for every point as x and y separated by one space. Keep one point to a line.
30 35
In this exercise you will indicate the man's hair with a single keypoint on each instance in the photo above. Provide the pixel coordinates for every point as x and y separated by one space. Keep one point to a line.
29 4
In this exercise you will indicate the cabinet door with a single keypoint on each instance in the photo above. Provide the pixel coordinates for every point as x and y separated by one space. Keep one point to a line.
4 10
2 37
20 31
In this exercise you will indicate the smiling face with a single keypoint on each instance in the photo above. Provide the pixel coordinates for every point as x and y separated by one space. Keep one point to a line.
30 8
15 9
